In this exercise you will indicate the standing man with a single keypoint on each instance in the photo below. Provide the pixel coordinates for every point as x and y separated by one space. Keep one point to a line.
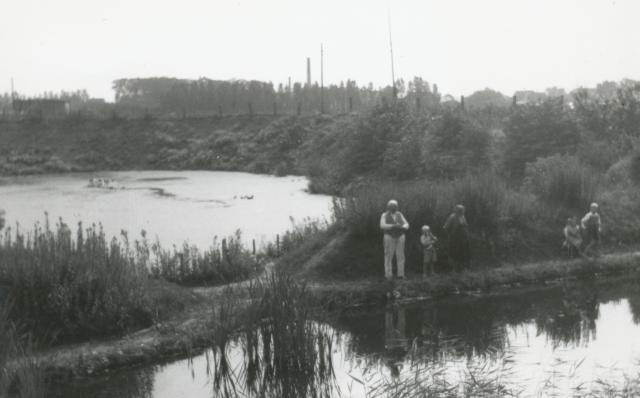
457 231
591 227
393 225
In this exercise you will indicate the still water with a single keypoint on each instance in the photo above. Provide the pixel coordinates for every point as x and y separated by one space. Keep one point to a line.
570 340
191 206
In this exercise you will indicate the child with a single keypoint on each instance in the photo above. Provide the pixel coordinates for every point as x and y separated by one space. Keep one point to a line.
428 241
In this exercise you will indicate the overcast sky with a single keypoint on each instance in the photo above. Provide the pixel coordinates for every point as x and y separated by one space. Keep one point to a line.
462 45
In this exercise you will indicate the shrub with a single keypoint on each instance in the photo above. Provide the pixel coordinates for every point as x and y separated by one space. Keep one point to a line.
535 131
561 180
493 214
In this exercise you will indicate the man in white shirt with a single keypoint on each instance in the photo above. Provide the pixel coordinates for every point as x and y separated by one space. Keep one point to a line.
393 225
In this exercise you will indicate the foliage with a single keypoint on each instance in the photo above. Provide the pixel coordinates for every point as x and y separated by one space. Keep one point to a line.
455 146
225 261
20 374
561 180
535 131
285 353
498 218
74 287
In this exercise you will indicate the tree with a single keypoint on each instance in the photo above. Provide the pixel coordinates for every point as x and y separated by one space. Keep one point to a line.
534 131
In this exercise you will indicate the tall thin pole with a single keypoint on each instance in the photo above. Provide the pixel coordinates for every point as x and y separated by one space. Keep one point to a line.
393 74
12 90
321 78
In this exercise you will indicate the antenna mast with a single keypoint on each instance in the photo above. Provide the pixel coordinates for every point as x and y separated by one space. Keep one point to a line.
321 78
393 75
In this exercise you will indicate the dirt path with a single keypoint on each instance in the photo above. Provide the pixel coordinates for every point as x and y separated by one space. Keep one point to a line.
190 332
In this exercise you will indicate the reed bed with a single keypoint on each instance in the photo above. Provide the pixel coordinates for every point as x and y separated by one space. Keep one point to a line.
284 353
225 261
70 286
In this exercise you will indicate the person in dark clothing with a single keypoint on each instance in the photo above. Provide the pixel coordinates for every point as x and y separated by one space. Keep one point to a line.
591 225
457 231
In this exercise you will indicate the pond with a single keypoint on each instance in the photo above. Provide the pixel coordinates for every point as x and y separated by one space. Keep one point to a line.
572 339
174 206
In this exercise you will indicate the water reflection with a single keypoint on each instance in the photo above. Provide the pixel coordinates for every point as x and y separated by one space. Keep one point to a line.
471 327
556 341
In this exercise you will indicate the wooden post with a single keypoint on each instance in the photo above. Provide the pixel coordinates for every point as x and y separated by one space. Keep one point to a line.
224 248
515 101
462 102
278 245
254 247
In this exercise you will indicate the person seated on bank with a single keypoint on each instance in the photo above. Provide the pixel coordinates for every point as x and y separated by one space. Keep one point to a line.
591 225
429 256
572 237
393 225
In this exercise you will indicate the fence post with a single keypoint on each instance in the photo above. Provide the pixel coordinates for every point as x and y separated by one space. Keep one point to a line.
278 245
254 247
224 248
462 102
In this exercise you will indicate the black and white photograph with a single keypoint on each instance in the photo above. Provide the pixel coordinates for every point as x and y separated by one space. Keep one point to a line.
319 198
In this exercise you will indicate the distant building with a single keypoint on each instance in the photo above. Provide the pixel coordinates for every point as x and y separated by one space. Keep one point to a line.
40 108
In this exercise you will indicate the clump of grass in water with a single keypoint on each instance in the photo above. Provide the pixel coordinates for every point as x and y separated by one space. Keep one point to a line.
285 354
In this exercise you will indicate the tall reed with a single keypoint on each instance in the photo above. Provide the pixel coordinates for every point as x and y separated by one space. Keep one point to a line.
223 262
73 287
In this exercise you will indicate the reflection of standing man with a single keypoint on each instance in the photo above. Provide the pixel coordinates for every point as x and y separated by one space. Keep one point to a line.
395 330
394 225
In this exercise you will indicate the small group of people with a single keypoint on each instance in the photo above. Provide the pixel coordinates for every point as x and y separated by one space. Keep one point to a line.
394 226
583 238
101 183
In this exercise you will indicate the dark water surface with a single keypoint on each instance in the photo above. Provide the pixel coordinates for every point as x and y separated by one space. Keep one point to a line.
573 339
